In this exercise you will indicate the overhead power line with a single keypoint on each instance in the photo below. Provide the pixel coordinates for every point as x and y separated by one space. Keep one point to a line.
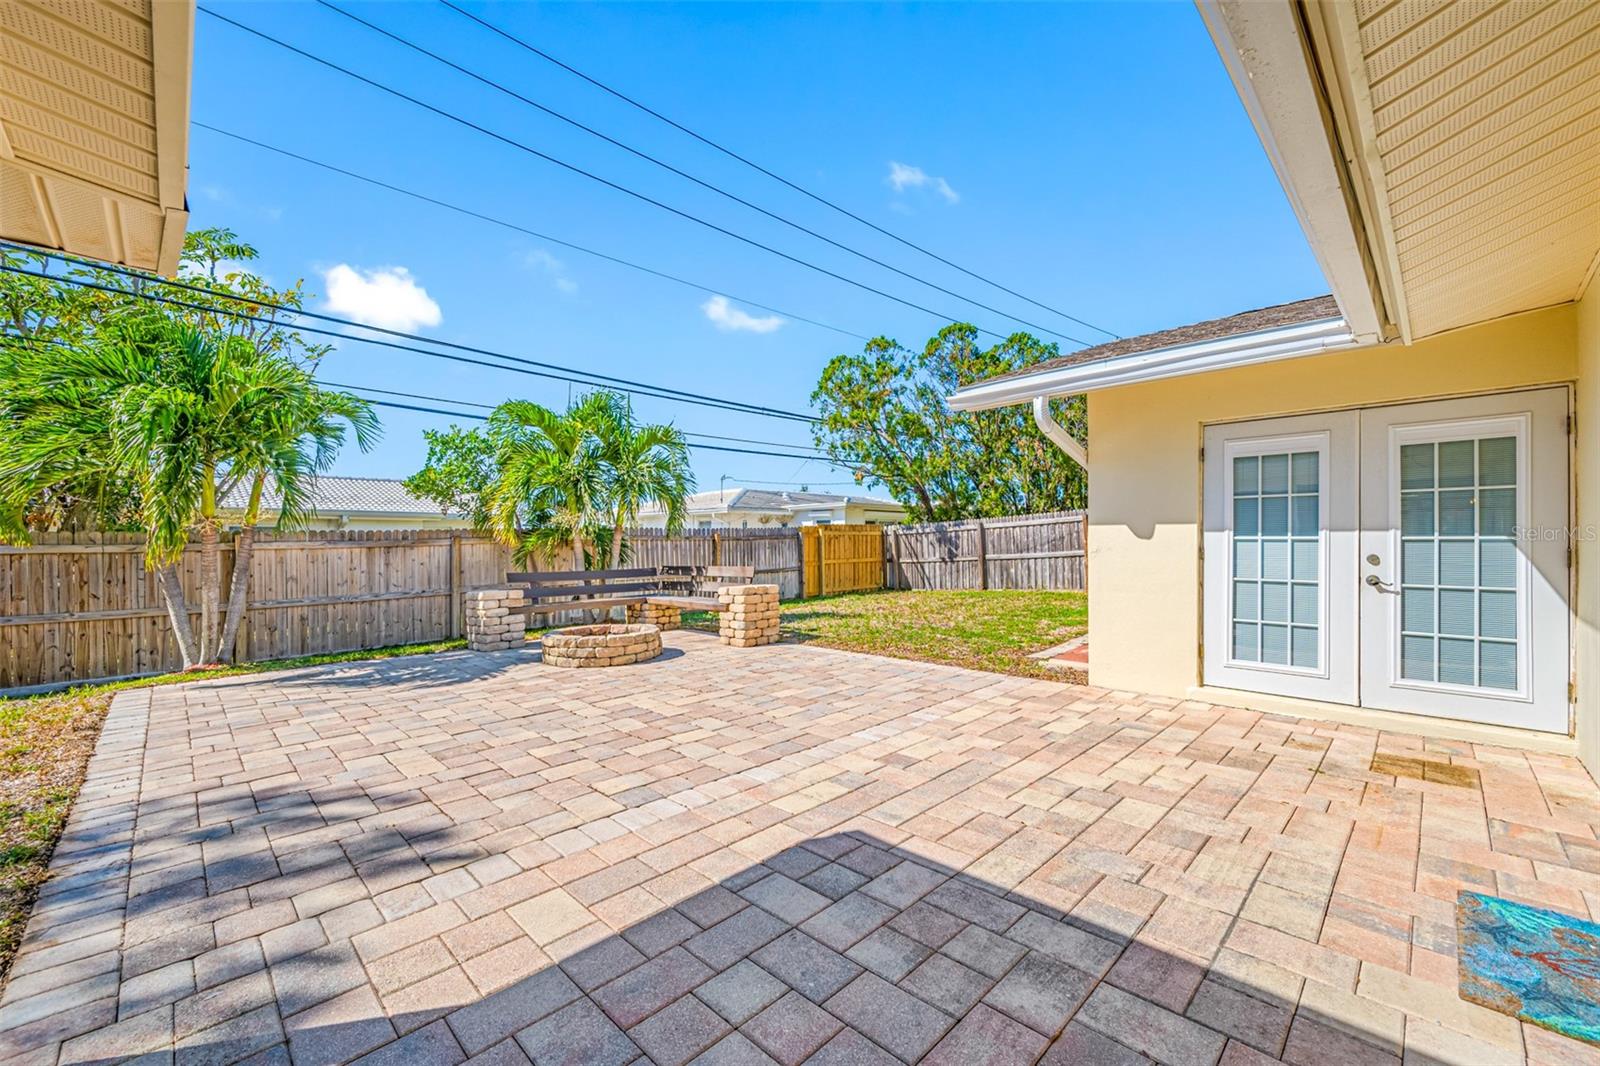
585 377
522 43
653 392
491 407
710 186
10 339
574 168
691 444
470 213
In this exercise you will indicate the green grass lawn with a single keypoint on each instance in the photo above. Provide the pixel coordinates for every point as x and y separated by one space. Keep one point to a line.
990 630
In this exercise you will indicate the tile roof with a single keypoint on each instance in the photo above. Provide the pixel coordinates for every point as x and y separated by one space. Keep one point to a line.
1316 309
336 495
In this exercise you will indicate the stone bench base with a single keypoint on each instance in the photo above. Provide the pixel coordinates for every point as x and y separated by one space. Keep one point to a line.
661 615
492 621
749 615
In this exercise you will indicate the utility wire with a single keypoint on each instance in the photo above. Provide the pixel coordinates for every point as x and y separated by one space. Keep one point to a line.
690 444
649 391
11 339
447 205
490 407
524 147
637 153
520 42
600 380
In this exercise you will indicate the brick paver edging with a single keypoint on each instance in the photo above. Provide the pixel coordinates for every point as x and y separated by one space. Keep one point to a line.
78 920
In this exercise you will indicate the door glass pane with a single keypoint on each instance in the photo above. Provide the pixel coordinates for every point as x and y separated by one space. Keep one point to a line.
1458 563
1276 555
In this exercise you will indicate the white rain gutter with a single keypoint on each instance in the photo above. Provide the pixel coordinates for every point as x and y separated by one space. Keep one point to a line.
1264 346
1058 433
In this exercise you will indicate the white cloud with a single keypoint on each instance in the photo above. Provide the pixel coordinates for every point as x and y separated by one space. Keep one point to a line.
555 269
903 176
387 297
730 319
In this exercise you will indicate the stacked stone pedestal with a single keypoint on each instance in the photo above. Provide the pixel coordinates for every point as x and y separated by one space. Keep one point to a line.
492 624
749 615
661 615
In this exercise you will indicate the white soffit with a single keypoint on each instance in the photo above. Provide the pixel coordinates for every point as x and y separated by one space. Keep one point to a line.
1477 126
94 127
1264 51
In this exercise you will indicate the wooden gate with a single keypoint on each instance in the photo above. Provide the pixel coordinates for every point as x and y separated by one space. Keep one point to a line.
842 558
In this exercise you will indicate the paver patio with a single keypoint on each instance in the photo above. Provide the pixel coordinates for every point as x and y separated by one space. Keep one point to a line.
782 854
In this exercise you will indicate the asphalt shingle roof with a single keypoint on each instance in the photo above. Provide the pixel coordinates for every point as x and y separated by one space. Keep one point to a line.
1277 316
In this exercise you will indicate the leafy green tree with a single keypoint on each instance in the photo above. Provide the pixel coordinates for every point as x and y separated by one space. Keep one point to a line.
457 473
884 412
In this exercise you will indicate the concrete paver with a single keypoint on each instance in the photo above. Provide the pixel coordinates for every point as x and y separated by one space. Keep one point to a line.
779 854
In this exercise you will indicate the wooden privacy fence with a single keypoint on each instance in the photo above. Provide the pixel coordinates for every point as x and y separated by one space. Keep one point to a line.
77 607
775 553
842 559
1042 551
82 607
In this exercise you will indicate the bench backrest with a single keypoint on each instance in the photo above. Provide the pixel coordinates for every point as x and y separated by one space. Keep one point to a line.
679 580
705 580
554 584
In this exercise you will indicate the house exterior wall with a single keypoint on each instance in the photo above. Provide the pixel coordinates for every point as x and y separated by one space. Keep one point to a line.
1586 638
1145 470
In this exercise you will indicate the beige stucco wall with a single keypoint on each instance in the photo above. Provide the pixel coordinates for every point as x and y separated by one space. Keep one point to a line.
1587 637
1144 499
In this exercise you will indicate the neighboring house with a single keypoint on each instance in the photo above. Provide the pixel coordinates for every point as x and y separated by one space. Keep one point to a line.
738 508
351 503
94 128
1378 504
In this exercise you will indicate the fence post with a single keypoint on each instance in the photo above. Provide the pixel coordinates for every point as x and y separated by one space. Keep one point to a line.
455 584
822 560
716 548
983 556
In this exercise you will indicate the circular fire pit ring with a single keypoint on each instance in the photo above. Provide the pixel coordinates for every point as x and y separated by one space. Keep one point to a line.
601 645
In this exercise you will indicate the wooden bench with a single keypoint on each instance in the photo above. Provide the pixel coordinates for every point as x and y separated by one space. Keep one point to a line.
690 588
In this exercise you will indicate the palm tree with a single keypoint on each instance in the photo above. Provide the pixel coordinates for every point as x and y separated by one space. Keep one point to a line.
644 464
186 414
566 480
549 488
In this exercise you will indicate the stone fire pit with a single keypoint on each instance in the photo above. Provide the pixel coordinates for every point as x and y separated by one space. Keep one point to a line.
603 645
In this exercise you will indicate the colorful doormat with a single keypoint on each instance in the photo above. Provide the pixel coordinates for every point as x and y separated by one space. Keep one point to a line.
1538 965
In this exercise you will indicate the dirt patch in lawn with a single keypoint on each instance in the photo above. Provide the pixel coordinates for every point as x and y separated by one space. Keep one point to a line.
993 630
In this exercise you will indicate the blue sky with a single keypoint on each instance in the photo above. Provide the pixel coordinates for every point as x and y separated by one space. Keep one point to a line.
1093 157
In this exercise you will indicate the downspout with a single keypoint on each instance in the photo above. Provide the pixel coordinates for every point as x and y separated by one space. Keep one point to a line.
1058 433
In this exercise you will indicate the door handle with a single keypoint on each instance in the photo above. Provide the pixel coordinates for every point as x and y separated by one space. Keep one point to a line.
1382 586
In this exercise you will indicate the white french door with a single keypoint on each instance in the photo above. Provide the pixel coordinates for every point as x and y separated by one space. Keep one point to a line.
1410 558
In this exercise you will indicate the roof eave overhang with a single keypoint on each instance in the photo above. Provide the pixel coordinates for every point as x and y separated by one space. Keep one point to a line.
1265 49
1264 346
